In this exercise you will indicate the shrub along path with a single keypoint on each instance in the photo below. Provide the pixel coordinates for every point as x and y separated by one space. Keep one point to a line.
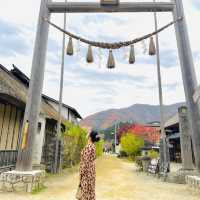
116 180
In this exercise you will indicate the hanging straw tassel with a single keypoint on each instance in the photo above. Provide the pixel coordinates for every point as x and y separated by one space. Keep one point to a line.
152 48
90 55
132 55
70 49
111 60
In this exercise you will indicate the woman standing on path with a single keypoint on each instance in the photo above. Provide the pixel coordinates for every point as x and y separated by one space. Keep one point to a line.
87 169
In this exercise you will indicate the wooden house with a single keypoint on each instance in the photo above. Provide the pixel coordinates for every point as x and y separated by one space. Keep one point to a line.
173 135
13 94
68 112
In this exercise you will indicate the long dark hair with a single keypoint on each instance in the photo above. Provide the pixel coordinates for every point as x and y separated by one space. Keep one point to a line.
95 137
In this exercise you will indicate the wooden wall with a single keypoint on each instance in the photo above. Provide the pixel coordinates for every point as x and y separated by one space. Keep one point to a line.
49 153
10 124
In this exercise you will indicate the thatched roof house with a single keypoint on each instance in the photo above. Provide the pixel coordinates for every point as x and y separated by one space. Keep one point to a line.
13 95
14 91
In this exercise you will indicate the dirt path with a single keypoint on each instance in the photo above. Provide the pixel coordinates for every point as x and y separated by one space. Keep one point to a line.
116 180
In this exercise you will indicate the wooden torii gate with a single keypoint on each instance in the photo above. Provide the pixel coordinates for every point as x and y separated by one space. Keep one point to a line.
25 156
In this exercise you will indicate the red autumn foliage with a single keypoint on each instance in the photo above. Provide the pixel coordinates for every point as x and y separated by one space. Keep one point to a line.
148 133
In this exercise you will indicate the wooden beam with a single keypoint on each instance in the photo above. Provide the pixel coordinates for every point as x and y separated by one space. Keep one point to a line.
92 7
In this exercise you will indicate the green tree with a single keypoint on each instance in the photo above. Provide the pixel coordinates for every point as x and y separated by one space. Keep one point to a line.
131 144
99 148
74 140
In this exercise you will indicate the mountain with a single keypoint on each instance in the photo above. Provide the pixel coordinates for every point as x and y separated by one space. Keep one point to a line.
141 113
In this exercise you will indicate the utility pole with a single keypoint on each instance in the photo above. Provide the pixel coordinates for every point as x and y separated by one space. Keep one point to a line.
163 157
115 136
57 159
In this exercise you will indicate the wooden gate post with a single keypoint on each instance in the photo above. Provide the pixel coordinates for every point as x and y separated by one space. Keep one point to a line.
185 139
25 157
189 77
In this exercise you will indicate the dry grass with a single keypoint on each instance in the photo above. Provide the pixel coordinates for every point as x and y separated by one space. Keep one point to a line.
116 180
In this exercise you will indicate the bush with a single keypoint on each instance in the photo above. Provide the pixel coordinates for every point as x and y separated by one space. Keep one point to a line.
153 154
131 144
74 140
122 153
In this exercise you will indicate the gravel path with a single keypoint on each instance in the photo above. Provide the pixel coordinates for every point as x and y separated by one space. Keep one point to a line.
116 180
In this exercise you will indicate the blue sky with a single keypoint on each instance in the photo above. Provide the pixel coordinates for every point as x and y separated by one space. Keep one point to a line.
88 87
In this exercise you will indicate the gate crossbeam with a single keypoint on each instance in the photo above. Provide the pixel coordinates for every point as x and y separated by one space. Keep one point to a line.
92 7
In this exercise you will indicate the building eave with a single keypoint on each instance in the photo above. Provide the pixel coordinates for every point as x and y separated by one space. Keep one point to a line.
66 106
18 75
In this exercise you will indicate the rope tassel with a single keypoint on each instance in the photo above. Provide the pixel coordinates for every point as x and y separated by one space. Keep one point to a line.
111 60
132 55
70 49
152 48
90 58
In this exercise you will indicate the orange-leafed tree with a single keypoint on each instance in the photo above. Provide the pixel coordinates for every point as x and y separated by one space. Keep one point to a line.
148 133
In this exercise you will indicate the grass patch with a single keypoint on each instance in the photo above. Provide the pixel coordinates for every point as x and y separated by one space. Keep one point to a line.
64 172
49 176
39 190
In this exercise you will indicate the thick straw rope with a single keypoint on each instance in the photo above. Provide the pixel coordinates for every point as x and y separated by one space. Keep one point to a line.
115 45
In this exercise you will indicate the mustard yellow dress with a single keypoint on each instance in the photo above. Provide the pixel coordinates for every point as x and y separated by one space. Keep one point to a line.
88 172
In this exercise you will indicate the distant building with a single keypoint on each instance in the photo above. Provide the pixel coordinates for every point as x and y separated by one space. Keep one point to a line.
173 136
13 95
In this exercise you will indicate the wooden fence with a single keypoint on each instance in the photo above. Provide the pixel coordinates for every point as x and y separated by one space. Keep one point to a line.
8 159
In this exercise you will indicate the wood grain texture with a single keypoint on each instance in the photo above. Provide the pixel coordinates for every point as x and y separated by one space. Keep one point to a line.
5 127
